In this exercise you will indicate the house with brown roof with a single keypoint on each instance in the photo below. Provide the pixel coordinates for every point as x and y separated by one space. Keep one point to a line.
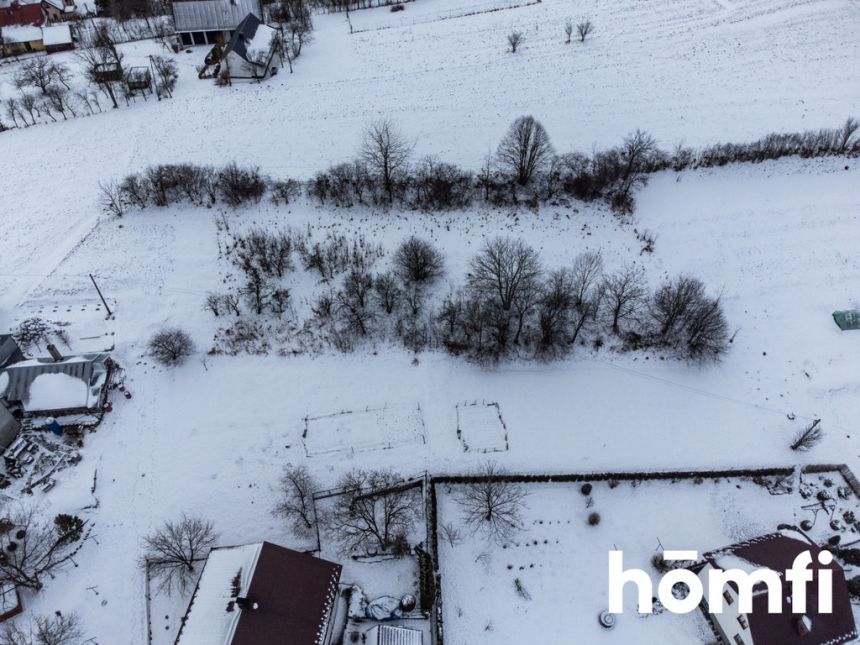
261 594
777 552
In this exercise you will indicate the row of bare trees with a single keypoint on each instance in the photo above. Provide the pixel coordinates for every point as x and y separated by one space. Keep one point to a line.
524 169
511 304
377 510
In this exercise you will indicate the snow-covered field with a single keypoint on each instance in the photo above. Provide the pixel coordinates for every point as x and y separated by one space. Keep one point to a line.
781 239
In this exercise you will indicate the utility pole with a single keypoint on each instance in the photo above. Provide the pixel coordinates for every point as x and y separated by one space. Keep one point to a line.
109 312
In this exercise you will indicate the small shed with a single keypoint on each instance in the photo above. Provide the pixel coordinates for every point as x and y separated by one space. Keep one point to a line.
109 71
848 319
138 78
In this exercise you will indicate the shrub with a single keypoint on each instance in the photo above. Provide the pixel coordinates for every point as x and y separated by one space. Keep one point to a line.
285 191
593 519
237 186
418 261
171 346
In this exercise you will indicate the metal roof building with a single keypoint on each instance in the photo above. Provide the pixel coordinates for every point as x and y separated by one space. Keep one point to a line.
200 22
90 369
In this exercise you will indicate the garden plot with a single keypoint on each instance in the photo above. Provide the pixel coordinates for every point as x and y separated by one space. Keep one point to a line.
550 578
481 428
354 431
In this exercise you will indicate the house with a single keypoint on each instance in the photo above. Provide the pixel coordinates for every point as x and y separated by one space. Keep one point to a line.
67 385
15 14
58 10
261 594
21 39
207 22
251 49
392 635
777 551
57 38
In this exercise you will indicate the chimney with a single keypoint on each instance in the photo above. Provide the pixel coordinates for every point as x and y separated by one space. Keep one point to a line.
246 603
54 352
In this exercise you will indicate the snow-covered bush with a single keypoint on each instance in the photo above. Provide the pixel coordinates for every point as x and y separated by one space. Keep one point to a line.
171 346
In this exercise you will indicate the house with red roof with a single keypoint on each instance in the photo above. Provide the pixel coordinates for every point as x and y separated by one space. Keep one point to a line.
777 552
261 594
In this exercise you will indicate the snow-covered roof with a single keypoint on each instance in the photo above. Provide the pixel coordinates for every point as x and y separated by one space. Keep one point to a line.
213 613
257 593
252 40
85 380
56 35
21 34
212 15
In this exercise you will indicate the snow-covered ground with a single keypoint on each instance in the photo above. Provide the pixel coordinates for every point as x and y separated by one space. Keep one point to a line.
780 239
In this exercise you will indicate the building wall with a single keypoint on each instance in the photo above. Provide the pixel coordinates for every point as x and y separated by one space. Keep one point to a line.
15 49
727 622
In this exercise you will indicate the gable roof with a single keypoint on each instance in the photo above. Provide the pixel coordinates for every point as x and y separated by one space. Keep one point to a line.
22 14
212 15
777 551
251 37
287 597
56 35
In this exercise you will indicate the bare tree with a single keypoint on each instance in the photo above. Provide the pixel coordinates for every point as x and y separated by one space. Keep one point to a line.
492 504
171 346
59 629
373 511
689 320
96 59
295 502
555 310
584 28
35 72
515 39
418 261
111 198
174 550
29 105
635 158
13 111
568 31
387 291
33 548
525 149
671 303
625 293
451 533
503 269
351 302
386 153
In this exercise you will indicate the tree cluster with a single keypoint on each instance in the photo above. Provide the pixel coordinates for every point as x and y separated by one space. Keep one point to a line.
510 304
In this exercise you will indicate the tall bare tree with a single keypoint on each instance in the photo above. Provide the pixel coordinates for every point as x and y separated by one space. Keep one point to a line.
492 504
503 269
525 149
295 500
373 511
625 293
386 153
174 549
584 28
